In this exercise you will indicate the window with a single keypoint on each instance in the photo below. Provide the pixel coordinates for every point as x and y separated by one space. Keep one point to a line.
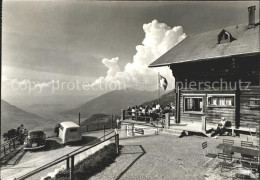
254 102
221 100
225 37
73 130
61 127
193 104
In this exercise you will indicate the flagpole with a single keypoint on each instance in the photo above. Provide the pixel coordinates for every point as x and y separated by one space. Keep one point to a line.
158 88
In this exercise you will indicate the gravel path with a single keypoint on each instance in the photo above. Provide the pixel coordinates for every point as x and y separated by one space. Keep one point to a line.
160 157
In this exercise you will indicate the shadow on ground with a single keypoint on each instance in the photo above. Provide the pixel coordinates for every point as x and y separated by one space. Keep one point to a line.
52 145
86 140
136 159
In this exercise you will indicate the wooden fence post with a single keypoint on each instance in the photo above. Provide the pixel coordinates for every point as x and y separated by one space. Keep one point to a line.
133 128
4 150
104 132
123 115
72 168
112 121
117 143
68 163
14 143
157 127
10 147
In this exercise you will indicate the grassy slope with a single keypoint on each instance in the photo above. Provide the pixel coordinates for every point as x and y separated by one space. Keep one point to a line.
92 165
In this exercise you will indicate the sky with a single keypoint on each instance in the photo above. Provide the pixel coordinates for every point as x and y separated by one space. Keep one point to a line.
96 44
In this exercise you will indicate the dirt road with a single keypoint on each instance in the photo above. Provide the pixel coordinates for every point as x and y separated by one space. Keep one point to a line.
25 162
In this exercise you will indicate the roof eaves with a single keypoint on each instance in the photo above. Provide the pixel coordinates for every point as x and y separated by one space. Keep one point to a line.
159 65
215 58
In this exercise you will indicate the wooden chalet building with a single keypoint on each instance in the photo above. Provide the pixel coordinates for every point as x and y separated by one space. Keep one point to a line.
217 74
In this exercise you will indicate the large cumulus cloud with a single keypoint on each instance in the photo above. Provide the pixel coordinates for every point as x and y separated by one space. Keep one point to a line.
158 39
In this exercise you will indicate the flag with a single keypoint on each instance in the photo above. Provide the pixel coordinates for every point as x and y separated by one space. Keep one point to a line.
163 82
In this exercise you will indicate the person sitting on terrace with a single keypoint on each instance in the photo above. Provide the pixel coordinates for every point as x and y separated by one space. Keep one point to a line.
133 113
152 114
172 106
129 110
143 111
221 127
157 107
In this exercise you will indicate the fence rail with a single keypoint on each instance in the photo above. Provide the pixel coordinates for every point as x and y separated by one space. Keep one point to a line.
9 146
71 156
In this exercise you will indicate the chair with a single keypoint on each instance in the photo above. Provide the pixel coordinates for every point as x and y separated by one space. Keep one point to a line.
246 144
209 155
251 163
229 142
206 154
227 162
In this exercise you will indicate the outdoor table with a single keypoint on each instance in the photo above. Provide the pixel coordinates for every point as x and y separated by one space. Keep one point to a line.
238 149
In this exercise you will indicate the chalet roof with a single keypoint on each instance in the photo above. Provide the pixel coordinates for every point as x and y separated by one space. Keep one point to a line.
205 46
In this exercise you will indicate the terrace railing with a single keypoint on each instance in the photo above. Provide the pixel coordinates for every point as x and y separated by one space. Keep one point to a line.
139 116
70 157
154 117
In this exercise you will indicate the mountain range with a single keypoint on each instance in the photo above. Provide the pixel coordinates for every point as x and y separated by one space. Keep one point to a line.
165 99
112 102
12 117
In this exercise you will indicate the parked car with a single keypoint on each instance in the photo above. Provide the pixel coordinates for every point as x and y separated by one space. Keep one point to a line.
36 139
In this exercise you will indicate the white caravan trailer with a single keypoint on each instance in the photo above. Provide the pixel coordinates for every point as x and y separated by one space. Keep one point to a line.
69 132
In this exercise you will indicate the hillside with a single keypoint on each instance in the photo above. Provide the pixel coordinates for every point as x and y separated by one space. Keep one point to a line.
112 102
164 100
96 118
12 117
98 121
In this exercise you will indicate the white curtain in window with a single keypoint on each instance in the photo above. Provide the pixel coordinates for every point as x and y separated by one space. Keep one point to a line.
229 101
214 101
222 102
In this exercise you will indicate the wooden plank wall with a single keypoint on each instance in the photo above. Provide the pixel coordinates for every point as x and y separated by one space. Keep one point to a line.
246 69
213 114
249 114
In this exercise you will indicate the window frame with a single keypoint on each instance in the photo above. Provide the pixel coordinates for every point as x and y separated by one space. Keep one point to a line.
256 102
223 96
201 96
